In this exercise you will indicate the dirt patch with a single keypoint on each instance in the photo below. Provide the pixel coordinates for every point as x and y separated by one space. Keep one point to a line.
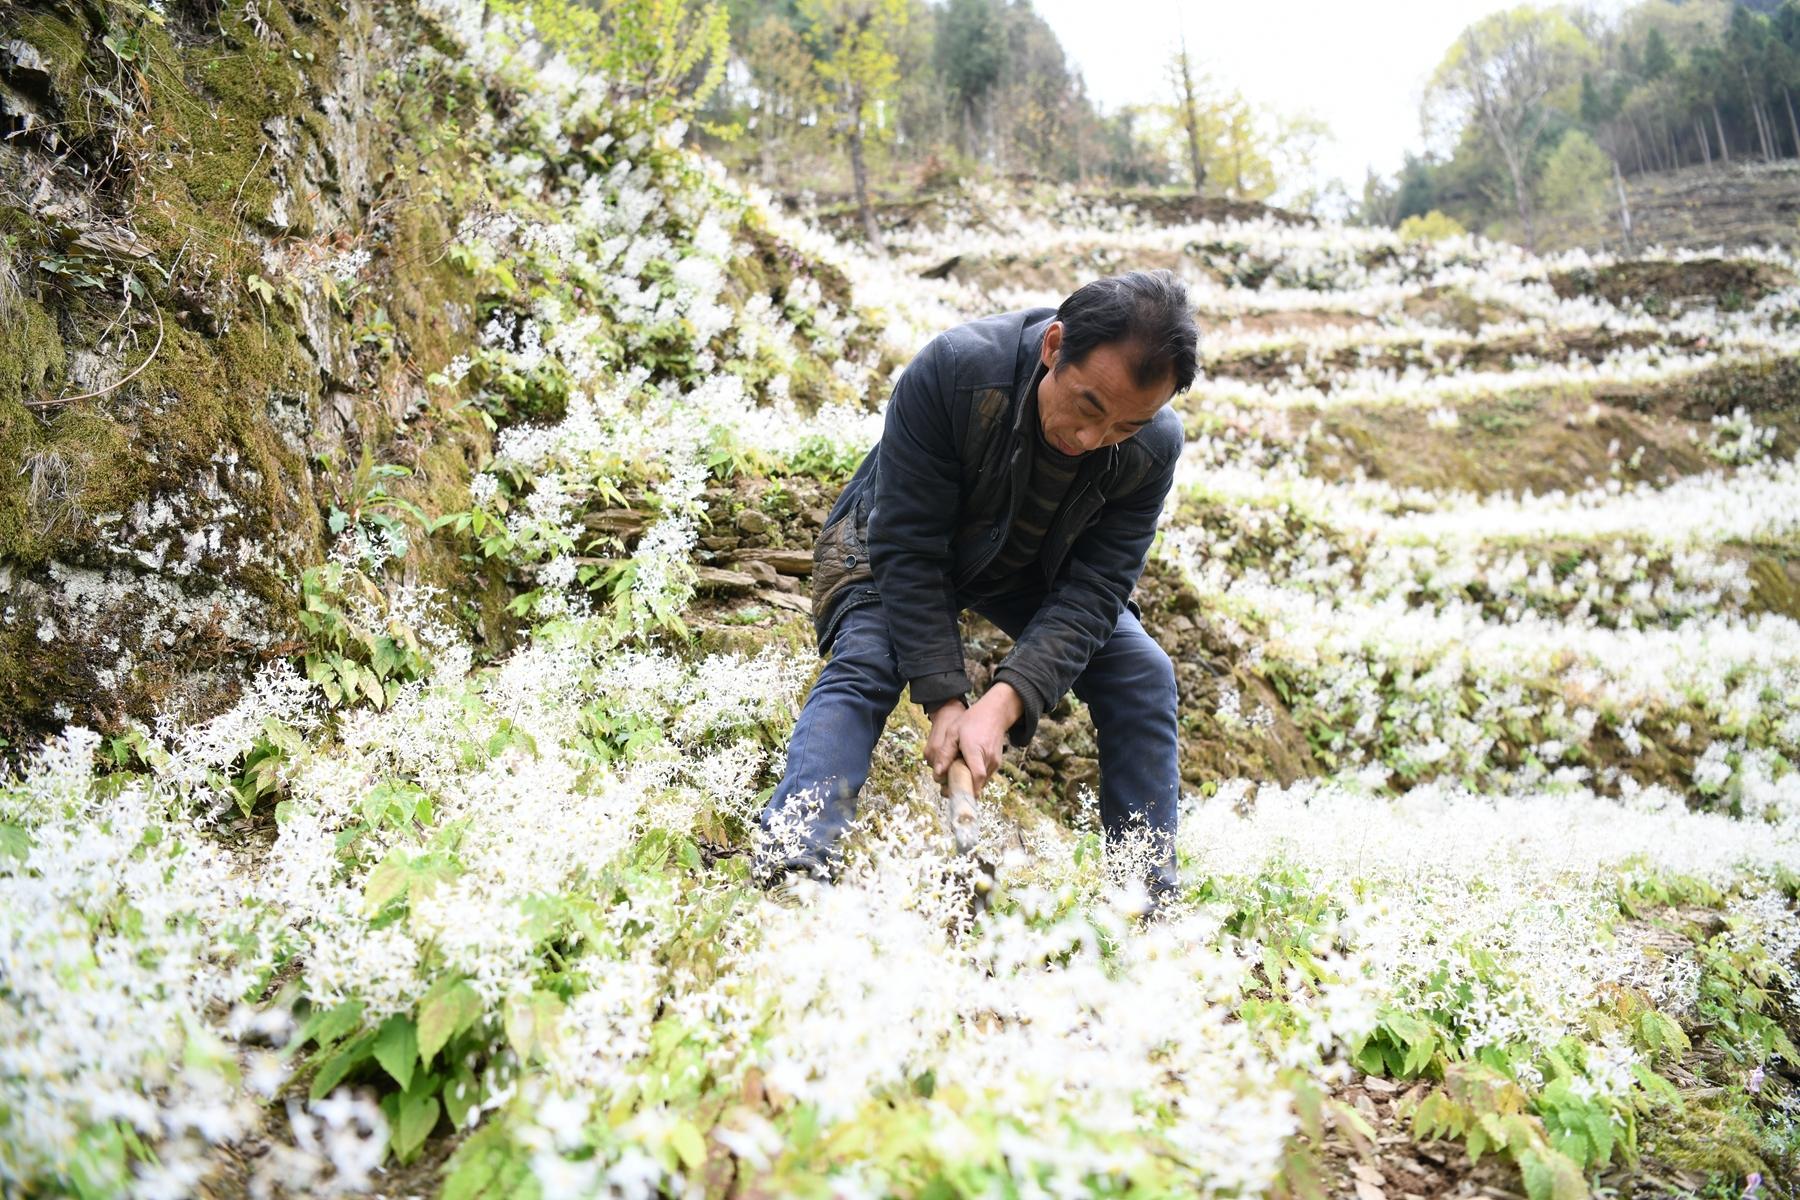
1191 210
1729 284
1276 365
1549 441
1522 443
1453 308
1392 1165
1058 272
1297 320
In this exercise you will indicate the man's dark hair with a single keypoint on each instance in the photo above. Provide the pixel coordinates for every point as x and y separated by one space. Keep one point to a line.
1147 310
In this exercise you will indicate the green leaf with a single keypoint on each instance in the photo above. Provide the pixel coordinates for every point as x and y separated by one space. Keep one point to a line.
486 1167
327 1025
1551 1176
386 882
1601 1133
336 1064
411 1118
397 1048
450 1007
689 1144
15 842
531 1021
1418 1055
462 1092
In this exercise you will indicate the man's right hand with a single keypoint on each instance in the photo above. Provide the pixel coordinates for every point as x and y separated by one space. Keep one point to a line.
941 746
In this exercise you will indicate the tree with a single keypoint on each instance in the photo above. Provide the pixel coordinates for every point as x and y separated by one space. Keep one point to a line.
853 42
1040 98
1658 61
1502 75
1575 177
1187 107
668 54
970 57
786 89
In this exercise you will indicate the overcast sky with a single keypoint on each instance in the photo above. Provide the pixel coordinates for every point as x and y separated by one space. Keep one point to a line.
1358 64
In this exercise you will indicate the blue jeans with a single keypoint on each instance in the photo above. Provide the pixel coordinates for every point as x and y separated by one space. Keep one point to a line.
1128 686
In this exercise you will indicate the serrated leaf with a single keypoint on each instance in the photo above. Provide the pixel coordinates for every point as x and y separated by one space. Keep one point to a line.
450 1007
1551 1176
397 1048
1600 1133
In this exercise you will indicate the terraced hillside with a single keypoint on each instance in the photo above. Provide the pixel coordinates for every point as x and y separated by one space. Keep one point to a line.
1481 583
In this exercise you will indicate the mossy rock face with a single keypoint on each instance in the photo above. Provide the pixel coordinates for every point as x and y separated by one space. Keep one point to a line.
165 474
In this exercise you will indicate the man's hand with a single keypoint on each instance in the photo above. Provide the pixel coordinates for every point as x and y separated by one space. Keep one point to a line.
941 746
977 734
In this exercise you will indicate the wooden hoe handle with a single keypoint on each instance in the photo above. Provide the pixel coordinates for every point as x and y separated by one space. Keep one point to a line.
963 820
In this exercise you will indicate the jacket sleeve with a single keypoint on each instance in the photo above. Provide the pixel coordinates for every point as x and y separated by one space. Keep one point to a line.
1081 610
917 499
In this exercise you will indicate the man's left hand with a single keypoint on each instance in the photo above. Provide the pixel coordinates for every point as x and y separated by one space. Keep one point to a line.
981 733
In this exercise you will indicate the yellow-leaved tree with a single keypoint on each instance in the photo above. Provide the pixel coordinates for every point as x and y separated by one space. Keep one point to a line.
854 46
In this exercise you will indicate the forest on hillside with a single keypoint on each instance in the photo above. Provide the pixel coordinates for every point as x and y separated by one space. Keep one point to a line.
1538 113
934 92
1534 114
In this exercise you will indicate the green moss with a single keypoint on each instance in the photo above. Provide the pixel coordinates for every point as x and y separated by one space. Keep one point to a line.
31 354
63 43
425 286
32 361
31 675
1774 586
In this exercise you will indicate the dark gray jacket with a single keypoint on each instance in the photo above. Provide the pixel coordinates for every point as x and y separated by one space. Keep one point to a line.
933 501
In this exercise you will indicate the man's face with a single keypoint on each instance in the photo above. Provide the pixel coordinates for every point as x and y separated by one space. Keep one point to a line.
1096 402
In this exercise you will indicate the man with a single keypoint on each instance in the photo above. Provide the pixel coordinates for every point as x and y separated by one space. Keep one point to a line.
1022 467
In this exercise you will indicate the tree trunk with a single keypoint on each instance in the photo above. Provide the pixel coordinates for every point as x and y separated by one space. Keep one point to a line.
1521 197
1793 125
1646 157
1705 146
859 174
1190 117
1756 117
1624 205
1724 146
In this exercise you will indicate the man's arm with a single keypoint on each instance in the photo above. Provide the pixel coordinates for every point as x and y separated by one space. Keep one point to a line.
1082 608
917 499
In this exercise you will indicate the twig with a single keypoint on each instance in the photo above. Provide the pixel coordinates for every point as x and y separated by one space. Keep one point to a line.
238 196
111 386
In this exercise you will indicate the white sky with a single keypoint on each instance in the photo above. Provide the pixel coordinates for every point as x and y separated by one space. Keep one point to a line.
1358 64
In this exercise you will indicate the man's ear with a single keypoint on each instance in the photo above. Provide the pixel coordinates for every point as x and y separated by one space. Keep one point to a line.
1052 345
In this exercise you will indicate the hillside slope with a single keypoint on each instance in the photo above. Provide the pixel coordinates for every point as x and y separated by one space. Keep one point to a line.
1697 208
1481 580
